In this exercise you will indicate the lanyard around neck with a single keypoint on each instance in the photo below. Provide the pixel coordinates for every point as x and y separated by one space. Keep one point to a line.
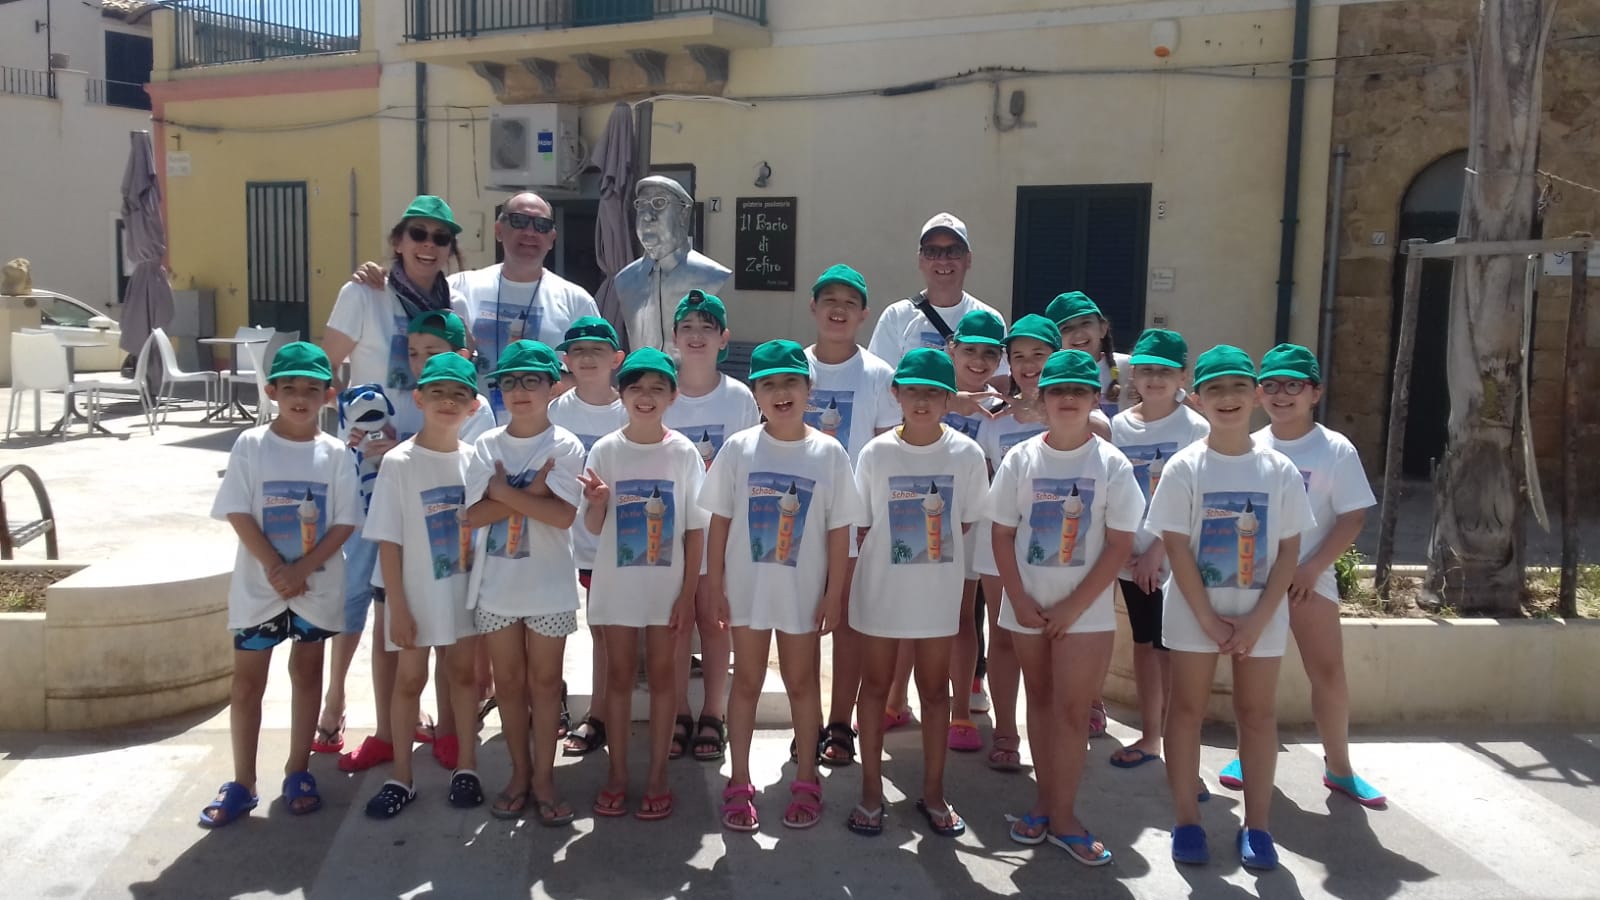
499 288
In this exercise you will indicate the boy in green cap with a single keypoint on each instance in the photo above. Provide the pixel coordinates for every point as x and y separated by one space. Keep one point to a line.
711 407
1064 505
782 500
639 497
419 519
1230 514
524 491
1340 495
1150 433
923 486
289 492
590 410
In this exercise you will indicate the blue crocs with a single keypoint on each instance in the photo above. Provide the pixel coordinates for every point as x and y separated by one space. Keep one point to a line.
1189 845
1232 776
1256 850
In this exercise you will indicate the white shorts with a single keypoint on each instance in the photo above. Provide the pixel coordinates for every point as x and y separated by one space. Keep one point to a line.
1100 616
438 625
1181 631
983 548
551 625
969 546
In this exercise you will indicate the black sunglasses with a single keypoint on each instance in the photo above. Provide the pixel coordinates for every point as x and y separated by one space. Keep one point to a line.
942 251
519 221
422 235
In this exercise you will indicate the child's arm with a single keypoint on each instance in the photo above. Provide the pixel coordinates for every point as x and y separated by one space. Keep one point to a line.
683 608
597 496
534 501
716 565
1346 528
1186 573
402 625
1060 618
1026 609
1147 566
255 543
300 570
831 609
1247 629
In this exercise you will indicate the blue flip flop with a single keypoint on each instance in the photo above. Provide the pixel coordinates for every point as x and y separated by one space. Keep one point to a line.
301 786
233 802
1086 840
1029 820
1142 758
1189 845
1256 850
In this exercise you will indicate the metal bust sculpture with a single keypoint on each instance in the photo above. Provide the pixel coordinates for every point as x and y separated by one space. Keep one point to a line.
649 288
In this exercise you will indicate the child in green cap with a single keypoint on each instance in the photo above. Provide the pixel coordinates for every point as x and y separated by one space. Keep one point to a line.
639 497
1150 433
1340 495
289 492
923 486
1084 327
1230 514
711 407
1064 505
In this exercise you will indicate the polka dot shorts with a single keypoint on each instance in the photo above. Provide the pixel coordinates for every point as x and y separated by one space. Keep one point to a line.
554 625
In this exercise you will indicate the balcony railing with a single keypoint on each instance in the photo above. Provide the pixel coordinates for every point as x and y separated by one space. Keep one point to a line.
108 92
217 32
27 82
442 19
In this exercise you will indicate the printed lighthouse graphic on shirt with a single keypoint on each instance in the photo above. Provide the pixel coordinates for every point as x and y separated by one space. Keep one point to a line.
1060 520
496 326
707 439
1149 461
444 509
507 537
1019 432
778 506
920 529
644 522
966 425
830 412
1231 553
399 377
294 516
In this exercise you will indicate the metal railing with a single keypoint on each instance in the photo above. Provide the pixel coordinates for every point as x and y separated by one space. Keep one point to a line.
217 32
109 92
27 82
443 19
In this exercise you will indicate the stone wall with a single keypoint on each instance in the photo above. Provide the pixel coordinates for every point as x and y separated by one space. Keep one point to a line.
1399 105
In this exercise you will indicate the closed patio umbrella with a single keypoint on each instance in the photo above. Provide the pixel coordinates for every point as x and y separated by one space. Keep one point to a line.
613 232
148 303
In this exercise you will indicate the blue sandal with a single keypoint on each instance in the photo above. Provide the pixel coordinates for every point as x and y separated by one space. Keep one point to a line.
390 800
301 786
1028 821
234 801
1086 840
1189 845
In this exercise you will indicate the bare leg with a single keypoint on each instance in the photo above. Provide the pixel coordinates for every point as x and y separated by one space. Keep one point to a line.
1033 653
410 677
1316 631
384 664
622 649
461 664
250 670
750 651
660 642
305 679
509 655
715 645
1005 674
333 704
1152 679
544 675
1255 694
963 657
443 697
846 662
900 688
1077 666
877 672
1191 690
797 663
932 657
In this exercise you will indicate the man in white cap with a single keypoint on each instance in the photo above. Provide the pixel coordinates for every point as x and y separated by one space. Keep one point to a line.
944 254
649 288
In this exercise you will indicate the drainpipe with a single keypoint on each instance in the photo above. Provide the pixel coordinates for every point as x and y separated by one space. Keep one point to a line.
1330 271
422 127
1291 173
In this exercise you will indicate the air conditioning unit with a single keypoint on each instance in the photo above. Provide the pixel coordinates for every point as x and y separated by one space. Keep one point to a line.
535 145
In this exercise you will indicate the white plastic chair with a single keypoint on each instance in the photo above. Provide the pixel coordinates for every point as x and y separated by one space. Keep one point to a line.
230 380
139 384
38 364
266 409
172 375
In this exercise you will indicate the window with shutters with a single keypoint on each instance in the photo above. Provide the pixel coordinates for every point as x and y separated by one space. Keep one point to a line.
1090 238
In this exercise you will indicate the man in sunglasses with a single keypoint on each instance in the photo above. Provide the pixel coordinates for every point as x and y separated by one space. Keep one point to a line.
944 254
649 288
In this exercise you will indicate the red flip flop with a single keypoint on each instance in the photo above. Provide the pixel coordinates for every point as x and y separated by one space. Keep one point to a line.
611 804
662 804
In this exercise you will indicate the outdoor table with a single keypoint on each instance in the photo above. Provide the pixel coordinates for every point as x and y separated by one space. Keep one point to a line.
71 343
232 402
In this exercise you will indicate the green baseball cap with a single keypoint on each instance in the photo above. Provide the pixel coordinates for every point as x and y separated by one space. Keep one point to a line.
427 206
1223 360
649 359
1290 361
1160 347
778 358
590 328
982 327
839 273
1037 327
300 360
528 356
1070 367
449 367
1071 305
443 324
925 365
702 302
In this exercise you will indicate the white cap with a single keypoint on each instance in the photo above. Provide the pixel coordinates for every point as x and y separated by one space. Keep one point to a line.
948 223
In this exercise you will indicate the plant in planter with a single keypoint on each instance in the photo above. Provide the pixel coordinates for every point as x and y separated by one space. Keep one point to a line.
23 589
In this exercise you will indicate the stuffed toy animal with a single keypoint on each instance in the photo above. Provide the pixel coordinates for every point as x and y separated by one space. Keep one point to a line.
366 411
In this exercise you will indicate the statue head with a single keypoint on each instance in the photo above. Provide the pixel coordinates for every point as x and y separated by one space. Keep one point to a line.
662 209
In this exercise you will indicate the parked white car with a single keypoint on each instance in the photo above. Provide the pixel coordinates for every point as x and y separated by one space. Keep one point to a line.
64 313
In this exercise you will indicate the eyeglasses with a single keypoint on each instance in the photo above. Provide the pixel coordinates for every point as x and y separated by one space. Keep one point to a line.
942 251
422 236
519 221
527 381
1292 388
658 203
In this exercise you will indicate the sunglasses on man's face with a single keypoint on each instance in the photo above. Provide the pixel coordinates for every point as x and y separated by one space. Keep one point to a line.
942 251
422 236
519 221
656 203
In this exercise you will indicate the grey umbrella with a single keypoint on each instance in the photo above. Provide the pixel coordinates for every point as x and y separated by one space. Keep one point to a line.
148 303
613 233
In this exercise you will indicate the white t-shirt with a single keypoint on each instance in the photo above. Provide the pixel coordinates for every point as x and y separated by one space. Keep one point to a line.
1062 502
375 320
1335 484
589 423
527 565
782 497
420 503
903 327
1235 510
1149 446
710 419
407 419
655 489
913 563
851 400
997 436
500 311
296 491
1125 397
978 535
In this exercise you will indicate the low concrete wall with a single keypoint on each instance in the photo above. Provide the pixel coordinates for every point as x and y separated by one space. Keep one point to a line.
1430 670
22 671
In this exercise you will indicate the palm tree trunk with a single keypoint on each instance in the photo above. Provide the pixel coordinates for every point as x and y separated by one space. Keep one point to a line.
1476 564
